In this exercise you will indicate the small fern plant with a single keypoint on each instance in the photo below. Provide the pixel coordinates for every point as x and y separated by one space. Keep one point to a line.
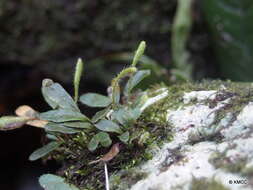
109 127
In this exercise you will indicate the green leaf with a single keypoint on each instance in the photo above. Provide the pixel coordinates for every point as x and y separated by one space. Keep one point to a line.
124 117
56 96
93 144
100 114
139 52
135 80
124 137
11 122
108 126
60 128
104 139
95 100
51 137
62 115
77 124
136 113
77 78
43 151
49 178
53 182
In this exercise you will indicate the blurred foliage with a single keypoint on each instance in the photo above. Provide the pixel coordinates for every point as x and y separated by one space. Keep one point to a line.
51 35
180 33
55 33
231 25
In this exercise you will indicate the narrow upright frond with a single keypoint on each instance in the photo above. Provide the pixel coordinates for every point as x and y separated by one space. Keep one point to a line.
139 52
77 77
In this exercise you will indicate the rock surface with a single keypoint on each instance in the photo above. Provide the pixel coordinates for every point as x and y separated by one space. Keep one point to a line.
212 146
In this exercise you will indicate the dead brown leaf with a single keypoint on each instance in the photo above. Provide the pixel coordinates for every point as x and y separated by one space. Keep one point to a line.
25 111
37 123
29 112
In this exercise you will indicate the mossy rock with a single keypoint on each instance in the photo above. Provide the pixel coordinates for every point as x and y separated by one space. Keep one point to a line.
201 139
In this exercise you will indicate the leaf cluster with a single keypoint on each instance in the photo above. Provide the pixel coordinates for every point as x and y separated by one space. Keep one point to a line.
117 116
114 123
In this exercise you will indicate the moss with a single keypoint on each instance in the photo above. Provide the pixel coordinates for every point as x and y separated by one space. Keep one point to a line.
241 94
76 158
247 171
237 166
202 183
126 178
158 112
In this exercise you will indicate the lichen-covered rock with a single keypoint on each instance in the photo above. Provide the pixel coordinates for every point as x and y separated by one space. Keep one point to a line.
212 126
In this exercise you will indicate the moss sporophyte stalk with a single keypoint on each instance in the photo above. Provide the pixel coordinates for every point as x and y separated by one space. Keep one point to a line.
115 135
